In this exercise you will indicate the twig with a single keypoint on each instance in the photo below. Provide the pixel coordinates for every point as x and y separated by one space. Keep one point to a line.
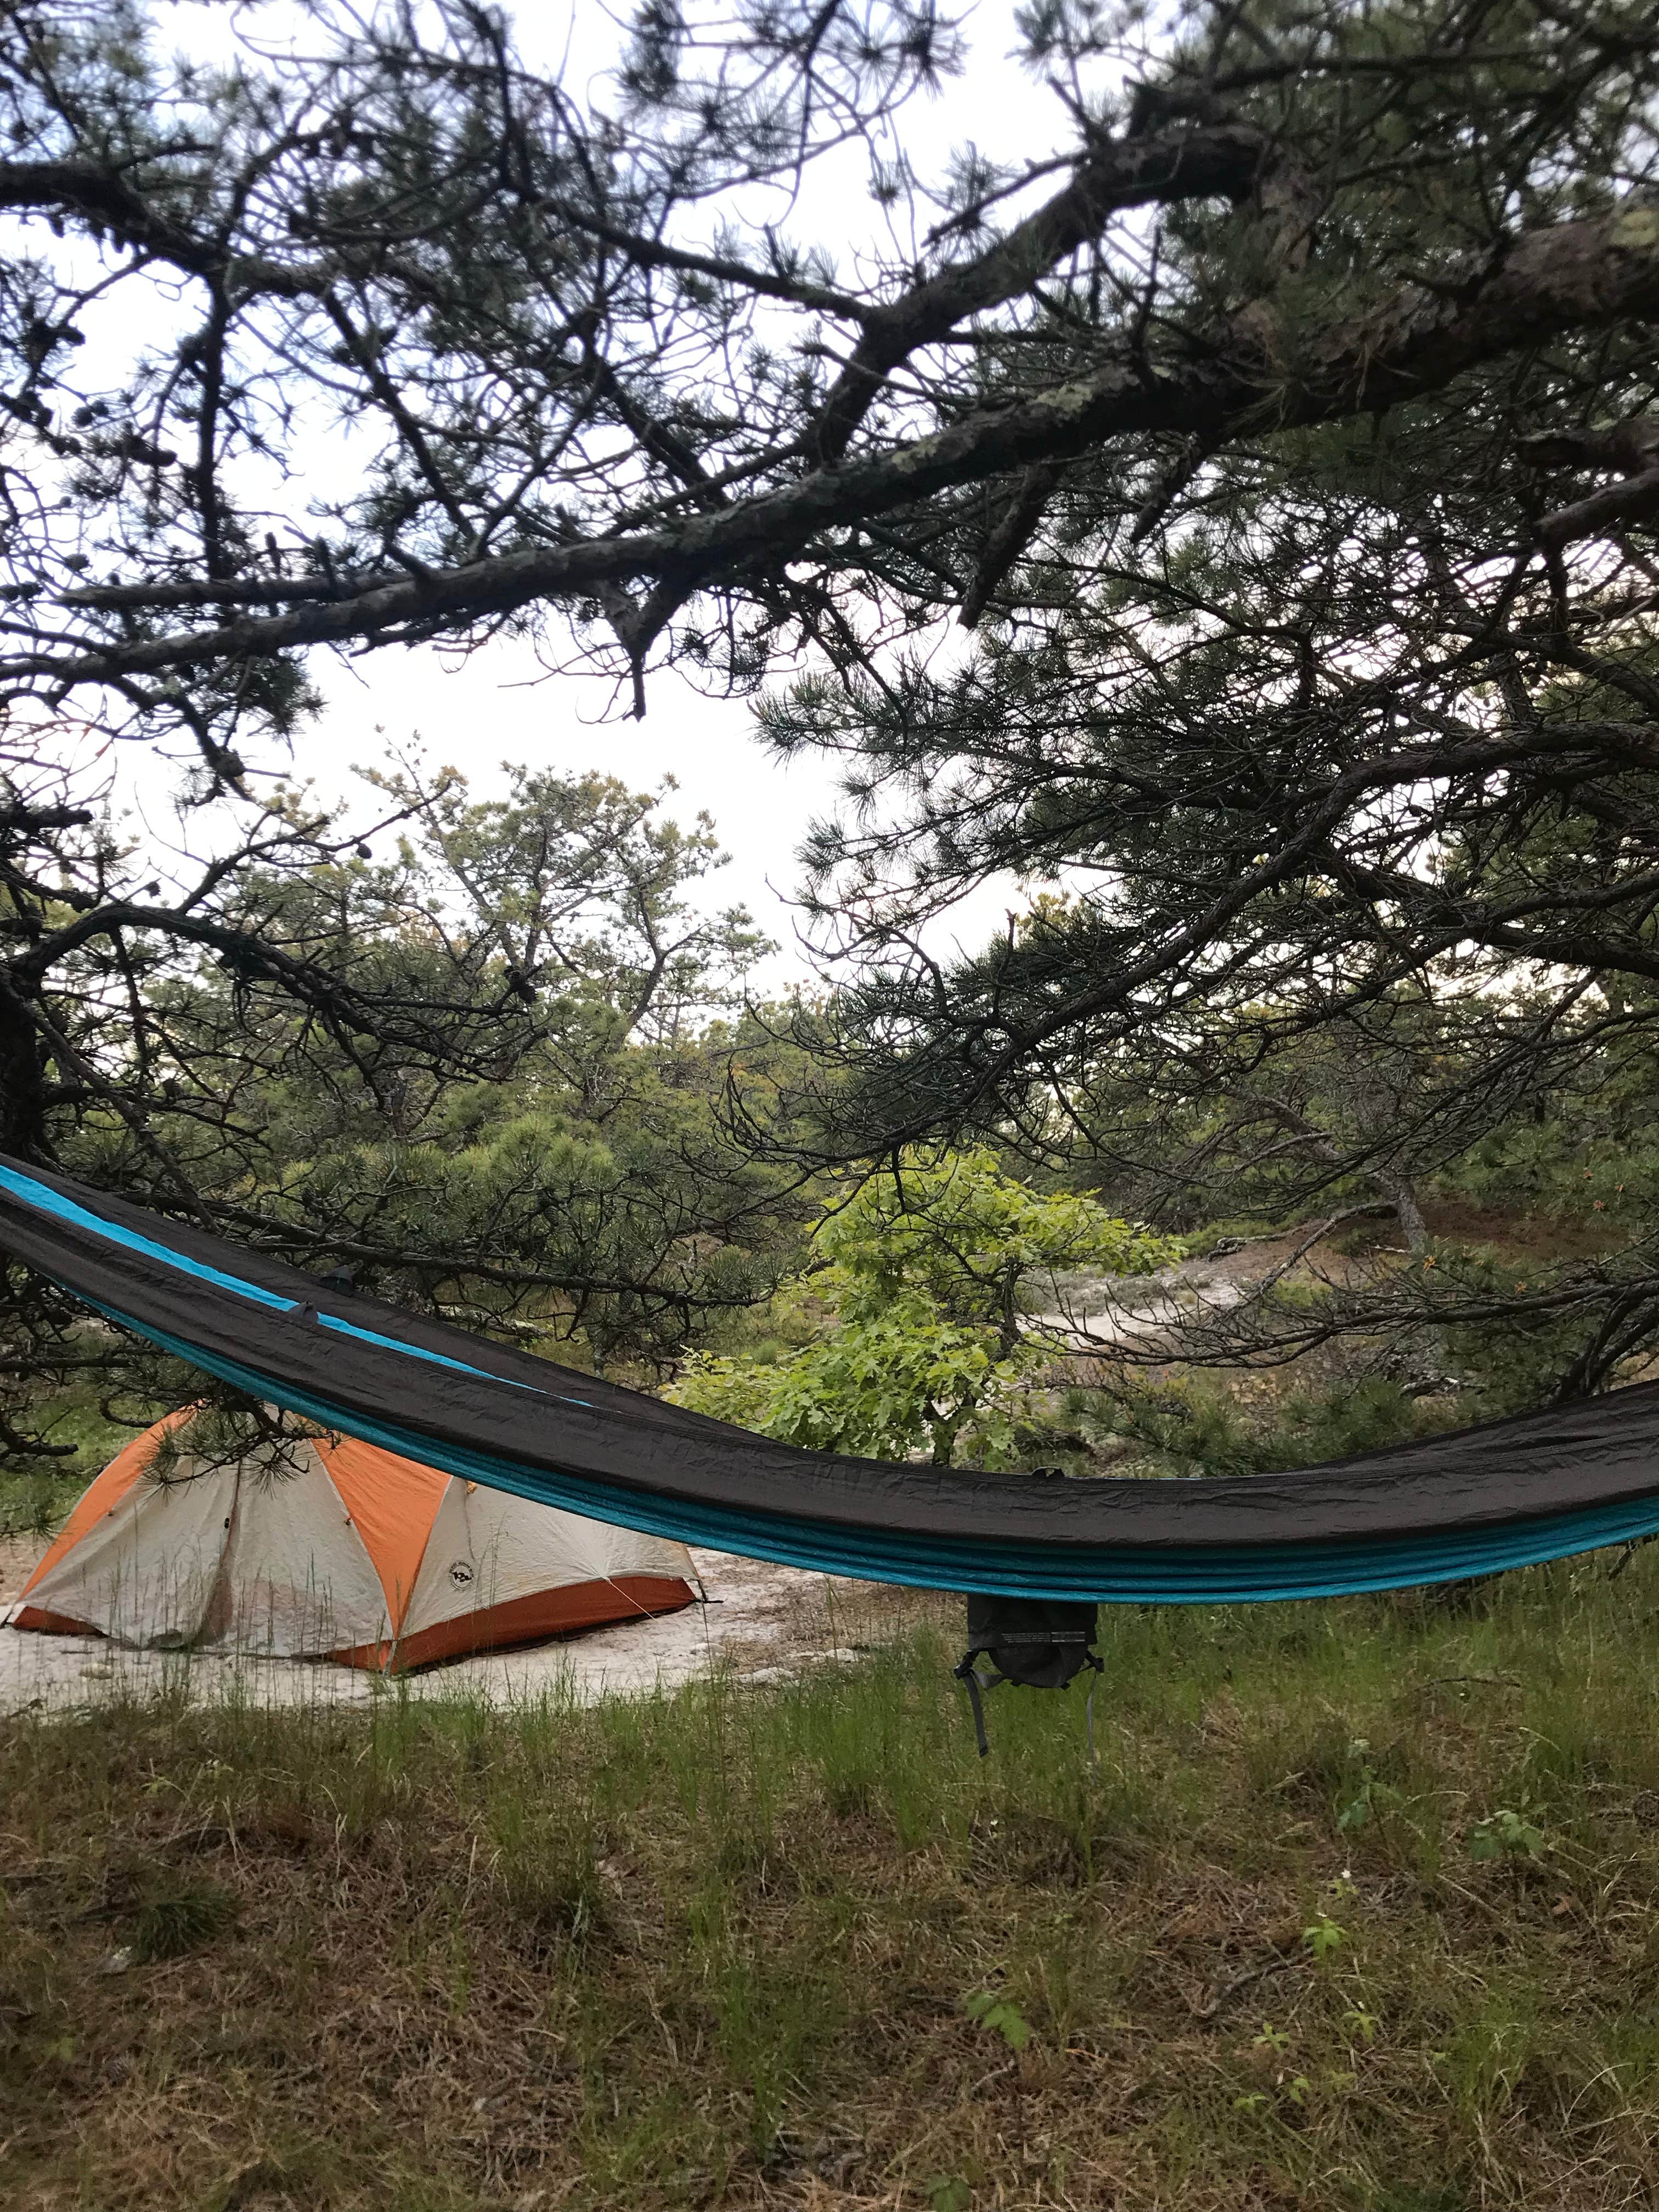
1209 2010
1492 1681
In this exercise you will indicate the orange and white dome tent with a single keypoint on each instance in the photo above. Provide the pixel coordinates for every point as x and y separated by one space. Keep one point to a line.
330 1548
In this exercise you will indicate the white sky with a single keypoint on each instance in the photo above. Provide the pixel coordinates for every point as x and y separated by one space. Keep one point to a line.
497 704
476 712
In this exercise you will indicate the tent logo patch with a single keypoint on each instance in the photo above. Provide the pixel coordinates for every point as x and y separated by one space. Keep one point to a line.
461 1573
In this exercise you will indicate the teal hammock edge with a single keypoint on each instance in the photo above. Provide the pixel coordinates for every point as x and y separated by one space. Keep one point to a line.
1256 1574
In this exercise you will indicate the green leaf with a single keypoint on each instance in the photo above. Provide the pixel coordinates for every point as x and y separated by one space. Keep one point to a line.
1000 2015
926 1353
1324 1936
1505 1835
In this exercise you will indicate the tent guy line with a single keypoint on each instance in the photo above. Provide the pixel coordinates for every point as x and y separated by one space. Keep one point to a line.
1508 1494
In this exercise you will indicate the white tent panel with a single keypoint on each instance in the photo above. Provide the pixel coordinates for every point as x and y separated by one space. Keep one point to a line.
298 1577
147 1572
488 1548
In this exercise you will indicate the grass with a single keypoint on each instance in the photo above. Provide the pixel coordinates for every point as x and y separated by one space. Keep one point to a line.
1360 1908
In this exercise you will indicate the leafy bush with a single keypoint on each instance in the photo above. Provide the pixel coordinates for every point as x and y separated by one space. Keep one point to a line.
922 1268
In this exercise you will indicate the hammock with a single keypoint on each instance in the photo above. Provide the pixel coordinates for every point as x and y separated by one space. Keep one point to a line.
1505 1495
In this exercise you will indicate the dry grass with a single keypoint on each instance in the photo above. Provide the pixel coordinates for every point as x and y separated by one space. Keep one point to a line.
792 1945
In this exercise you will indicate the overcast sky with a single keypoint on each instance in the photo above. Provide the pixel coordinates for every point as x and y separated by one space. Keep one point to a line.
476 712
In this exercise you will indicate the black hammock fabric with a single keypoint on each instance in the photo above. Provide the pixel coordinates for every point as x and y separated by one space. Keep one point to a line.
1502 1496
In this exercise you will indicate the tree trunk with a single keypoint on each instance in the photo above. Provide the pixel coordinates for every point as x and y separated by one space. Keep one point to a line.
1413 1228
22 1079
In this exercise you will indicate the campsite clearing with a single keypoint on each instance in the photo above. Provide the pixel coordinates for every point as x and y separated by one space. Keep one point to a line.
762 1619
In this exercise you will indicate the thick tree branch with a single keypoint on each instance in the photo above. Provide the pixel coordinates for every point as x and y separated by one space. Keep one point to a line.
104 200
1015 528
1222 162
1635 499
1571 277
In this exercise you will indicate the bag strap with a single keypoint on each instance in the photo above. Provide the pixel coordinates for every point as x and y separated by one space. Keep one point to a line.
967 1675
974 1683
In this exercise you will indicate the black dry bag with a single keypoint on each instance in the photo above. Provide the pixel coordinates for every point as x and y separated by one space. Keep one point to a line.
1041 1643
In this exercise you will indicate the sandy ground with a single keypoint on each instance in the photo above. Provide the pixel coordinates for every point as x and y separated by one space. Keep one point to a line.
1106 1311
761 1620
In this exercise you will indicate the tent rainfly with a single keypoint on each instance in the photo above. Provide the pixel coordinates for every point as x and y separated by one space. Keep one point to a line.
331 1548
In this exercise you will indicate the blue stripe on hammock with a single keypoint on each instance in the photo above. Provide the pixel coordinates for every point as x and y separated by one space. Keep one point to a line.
1171 1575
45 1200
440 1358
